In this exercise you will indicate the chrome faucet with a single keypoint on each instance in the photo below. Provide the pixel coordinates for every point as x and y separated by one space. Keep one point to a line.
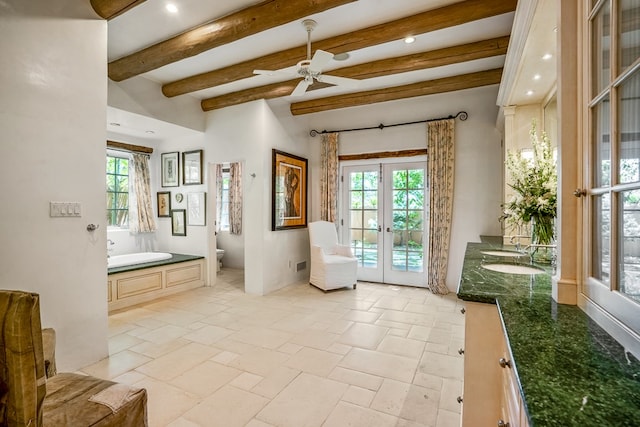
109 249
515 242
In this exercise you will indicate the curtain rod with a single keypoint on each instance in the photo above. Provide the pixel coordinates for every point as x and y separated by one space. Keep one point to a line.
462 114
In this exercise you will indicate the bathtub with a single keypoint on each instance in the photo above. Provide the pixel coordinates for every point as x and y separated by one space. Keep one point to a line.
138 278
137 258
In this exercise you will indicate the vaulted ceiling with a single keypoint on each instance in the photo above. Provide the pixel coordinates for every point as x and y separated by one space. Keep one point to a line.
209 49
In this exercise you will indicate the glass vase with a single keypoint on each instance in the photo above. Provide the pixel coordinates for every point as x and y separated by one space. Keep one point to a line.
543 233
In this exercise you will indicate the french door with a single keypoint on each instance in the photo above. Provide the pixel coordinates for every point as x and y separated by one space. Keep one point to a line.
384 218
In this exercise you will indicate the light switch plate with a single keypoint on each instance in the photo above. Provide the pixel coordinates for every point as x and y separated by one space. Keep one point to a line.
65 209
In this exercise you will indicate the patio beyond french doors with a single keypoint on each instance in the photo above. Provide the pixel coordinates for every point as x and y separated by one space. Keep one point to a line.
385 218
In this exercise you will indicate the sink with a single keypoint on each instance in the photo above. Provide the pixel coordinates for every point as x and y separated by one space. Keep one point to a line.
513 268
504 253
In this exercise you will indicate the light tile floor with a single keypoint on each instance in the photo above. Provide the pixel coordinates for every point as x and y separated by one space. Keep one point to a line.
378 356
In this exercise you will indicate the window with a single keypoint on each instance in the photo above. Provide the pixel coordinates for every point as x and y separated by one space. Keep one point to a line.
614 158
117 191
224 215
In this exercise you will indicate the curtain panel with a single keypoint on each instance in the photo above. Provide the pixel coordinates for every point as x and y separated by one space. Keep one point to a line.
440 172
141 218
235 198
329 177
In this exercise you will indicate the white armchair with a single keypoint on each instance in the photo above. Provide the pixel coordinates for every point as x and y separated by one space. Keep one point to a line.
332 265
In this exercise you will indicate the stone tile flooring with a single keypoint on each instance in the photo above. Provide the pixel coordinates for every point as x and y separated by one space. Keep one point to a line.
379 355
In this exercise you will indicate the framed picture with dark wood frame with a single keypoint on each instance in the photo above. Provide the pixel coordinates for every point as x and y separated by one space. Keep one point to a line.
170 169
192 167
288 191
178 222
164 204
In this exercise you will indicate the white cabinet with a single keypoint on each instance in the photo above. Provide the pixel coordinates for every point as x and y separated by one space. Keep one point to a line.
491 394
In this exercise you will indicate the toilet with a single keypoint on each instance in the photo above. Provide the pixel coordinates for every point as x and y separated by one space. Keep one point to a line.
219 255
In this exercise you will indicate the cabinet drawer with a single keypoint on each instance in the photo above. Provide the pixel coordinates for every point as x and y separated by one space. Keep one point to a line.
189 273
139 285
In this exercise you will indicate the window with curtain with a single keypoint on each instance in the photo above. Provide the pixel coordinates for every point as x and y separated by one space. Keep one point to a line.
129 202
117 191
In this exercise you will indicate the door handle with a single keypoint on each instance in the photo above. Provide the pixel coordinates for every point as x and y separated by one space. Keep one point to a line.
388 229
379 228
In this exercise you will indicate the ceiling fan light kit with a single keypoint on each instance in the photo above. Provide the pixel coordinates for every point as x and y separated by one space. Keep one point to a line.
310 69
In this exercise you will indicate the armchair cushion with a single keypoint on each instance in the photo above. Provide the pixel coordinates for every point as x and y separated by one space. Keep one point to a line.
28 398
21 359
75 400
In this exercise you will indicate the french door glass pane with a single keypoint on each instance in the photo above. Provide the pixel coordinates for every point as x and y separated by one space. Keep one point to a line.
602 144
600 68
600 254
629 38
629 252
408 220
629 124
363 212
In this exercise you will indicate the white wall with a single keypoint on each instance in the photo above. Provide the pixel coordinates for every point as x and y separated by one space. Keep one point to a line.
478 178
248 133
143 96
195 242
52 120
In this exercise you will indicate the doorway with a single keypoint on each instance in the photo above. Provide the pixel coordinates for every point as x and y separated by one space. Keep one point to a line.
384 219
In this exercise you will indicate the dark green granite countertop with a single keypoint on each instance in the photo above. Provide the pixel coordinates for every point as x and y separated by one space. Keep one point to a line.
174 259
570 371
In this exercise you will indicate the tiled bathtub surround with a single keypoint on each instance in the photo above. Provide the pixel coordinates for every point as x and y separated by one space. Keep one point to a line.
572 373
376 356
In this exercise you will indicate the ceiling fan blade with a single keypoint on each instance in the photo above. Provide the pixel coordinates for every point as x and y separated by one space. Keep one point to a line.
273 73
319 60
301 88
340 81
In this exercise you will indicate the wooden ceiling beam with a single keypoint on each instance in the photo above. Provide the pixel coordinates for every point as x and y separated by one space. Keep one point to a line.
129 147
432 20
109 9
252 20
384 67
430 87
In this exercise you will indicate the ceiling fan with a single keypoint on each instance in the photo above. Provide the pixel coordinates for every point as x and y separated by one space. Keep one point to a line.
311 68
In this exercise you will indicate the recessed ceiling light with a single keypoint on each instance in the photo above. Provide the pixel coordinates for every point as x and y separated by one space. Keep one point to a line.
547 56
537 77
529 92
172 8
409 40
149 131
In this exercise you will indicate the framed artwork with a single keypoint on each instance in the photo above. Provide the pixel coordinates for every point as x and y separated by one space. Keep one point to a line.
197 208
170 169
192 167
164 204
178 222
288 191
